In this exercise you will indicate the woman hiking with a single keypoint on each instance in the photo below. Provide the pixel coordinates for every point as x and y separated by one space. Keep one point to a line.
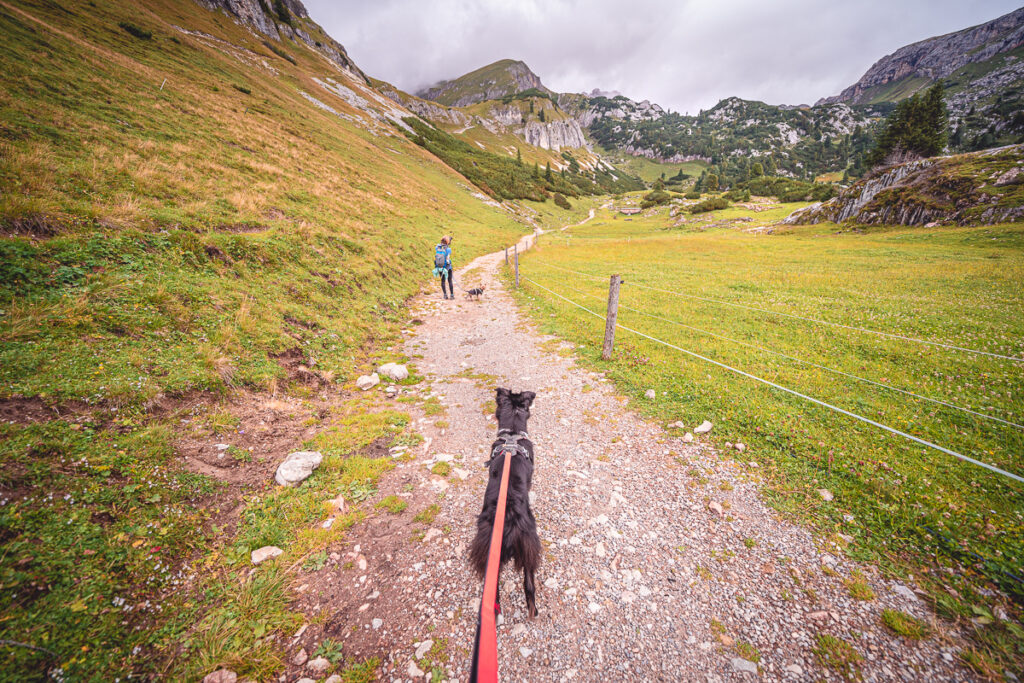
443 266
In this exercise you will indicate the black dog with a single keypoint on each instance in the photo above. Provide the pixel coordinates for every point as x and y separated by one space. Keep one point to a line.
520 541
475 292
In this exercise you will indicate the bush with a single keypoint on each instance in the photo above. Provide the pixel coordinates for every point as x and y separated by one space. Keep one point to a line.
561 201
241 89
655 198
738 195
712 204
692 195
140 33
279 52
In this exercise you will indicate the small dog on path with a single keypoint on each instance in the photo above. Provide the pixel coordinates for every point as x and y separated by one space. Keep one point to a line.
520 541
476 292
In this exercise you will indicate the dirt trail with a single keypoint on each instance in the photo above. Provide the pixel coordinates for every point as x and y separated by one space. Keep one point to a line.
642 579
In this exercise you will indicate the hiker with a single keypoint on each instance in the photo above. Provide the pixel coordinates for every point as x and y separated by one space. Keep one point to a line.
443 266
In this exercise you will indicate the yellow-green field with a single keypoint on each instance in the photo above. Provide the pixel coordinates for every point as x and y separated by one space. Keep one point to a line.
905 505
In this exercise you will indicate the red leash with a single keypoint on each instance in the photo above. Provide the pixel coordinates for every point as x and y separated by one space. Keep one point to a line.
485 656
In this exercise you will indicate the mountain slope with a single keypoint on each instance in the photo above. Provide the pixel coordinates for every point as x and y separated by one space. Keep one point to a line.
915 66
491 82
195 212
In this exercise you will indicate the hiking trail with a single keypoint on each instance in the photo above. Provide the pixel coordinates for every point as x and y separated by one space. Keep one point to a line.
661 560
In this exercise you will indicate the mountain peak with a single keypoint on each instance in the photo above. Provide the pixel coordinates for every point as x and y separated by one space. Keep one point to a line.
496 80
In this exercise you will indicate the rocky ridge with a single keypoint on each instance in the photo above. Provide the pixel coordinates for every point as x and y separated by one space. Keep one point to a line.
937 57
969 189
491 82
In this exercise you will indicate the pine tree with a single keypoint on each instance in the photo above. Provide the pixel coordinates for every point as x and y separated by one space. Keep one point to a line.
536 170
917 126
547 173
519 156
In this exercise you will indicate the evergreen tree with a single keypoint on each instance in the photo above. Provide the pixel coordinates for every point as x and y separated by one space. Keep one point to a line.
536 170
711 183
519 156
757 170
918 125
547 172
540 115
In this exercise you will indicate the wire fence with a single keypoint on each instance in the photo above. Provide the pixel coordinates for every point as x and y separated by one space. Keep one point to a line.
798 394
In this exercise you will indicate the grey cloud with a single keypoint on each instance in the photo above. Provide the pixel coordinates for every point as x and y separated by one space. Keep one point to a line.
684 55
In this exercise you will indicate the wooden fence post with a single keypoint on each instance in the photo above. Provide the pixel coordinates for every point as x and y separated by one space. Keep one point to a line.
613 312
516 251
506 256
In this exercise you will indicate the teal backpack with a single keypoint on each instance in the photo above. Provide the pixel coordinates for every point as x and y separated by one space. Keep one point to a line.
440 257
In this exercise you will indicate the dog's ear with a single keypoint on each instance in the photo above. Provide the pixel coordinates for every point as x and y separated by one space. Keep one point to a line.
526 399
502 396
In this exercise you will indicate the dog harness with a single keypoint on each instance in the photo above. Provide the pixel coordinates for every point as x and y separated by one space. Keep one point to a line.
510 443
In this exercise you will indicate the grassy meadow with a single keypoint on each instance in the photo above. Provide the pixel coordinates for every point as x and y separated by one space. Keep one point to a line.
914 510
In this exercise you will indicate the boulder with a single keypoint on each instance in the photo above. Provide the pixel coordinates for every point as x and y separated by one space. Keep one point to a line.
704 428
297 467
687 437
366 382
393 371
265 553
318 666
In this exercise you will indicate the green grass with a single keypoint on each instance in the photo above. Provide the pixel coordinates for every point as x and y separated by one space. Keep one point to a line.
858 587
905 505
392 504
441 469
427 515
905 625
838 655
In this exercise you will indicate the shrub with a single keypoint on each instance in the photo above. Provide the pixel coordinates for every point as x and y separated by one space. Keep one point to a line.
140 33
242 89
692 195
561 201
655 198
738 195
904 624
279 52
712 204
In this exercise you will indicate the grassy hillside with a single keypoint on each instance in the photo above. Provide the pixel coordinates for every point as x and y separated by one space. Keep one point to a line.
921 514
500 78
189 217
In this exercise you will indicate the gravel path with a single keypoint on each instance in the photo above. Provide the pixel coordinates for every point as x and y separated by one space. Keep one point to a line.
661 562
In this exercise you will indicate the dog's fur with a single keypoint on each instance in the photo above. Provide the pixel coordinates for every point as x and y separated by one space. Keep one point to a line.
476 292
520 541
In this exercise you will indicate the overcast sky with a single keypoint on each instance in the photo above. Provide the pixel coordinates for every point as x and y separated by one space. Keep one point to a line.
685 55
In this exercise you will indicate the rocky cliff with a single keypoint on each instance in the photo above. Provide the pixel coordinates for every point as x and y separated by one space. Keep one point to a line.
968 189
293 23
492 82
936 58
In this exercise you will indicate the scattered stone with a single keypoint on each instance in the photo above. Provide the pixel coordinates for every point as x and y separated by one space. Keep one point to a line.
361 563
318 666
740 664
820 614
393 371
414 671
677 425
518 629
687 437
367 382
551 583
716 508
599 550
726 640
377 623
424 648
305 680
265 553
795 669
431 535
462 474
333 679
525 651
825 494
594 607
301 657
337 503
221 676
740 447
221 447
650 394
297 467
904 592
704 428
298 634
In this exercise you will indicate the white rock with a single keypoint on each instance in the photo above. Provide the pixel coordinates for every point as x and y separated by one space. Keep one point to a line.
704 428
677 425
318 666
377 623
424 648
594 607
651 394
265 553
366 382
297 467
740 664
687 437
462 474
221 447
335 678
221 676
904 592
519 629
393 371
825 494
575 540
715 507
525 651
795 669
301 657
740 447
431 535
627 596
304 679
599 550
414 671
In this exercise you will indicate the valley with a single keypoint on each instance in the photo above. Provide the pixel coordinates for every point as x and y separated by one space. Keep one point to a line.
216 233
